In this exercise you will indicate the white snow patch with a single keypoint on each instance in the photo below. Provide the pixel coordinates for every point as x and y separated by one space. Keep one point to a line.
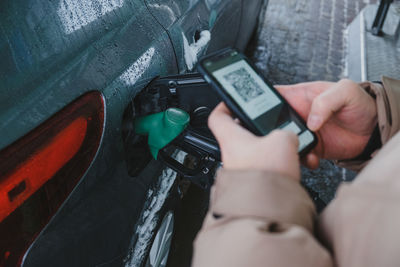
136 70
150 216
343 174
345 73
192 50
167 10
75 14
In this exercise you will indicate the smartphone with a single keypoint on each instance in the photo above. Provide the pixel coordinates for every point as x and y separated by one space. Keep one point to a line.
252 98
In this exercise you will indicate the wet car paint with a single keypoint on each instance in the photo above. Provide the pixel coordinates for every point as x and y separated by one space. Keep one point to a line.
55 51
185 20
111 64
51 70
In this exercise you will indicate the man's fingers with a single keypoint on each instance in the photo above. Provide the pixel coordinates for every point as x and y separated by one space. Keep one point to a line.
311 161
285 137
224 126
300 96
317 86
327 103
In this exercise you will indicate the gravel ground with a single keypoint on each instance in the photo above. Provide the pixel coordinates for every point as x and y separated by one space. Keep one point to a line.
304 40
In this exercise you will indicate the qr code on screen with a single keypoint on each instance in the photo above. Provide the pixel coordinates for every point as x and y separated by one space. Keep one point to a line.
244 84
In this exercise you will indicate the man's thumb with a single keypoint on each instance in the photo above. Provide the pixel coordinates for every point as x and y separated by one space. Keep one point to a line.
314 122
325 105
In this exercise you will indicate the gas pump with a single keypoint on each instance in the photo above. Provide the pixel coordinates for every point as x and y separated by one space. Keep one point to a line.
171 113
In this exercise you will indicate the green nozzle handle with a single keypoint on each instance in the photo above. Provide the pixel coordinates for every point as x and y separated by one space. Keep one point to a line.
162 127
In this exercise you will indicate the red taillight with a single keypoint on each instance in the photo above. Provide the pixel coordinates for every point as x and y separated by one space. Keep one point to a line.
39 171
40 167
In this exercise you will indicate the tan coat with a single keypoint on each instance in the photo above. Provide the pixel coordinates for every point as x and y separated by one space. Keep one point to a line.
265 219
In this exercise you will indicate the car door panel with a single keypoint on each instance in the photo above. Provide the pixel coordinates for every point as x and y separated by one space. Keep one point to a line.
56 51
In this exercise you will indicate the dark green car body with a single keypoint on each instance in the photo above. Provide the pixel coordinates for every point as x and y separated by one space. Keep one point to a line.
53 52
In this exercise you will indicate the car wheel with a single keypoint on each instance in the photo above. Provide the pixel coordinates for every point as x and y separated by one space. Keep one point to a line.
159 251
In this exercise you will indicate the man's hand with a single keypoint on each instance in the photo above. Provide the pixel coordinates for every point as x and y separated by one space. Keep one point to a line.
241 150
342 114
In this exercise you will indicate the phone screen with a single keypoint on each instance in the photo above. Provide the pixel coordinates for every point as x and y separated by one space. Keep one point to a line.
257 99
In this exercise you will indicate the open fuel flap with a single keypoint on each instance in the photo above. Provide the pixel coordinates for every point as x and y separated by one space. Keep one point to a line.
171 114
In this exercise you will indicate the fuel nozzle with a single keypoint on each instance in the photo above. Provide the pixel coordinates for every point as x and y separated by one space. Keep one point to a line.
162 128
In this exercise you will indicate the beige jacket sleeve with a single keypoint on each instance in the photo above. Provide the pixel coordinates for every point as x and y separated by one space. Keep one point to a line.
258 219
361 224
387 98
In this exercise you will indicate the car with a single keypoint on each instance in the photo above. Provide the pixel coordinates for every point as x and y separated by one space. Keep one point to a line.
75 190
